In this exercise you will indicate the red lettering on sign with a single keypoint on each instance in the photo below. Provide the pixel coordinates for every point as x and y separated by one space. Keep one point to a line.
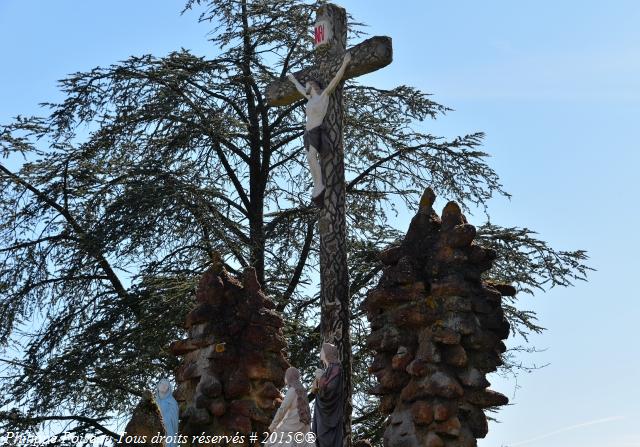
319 33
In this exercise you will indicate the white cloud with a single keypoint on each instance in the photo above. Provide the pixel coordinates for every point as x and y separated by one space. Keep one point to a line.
566 429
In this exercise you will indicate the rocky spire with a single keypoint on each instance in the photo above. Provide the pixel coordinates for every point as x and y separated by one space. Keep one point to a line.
233 363
436 330
145 427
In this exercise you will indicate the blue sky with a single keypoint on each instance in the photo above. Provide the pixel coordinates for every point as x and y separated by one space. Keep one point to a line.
555 86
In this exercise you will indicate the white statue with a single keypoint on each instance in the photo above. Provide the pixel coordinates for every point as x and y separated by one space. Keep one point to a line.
315 136
168 409
292 422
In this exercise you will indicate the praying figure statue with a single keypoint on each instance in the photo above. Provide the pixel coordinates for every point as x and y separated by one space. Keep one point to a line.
168 409
328 410
293 416
316 139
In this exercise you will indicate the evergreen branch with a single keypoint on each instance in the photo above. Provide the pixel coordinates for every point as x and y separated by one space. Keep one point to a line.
88 244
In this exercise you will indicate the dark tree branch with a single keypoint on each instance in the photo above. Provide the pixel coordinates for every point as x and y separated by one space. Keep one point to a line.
89 245
95 423
302 261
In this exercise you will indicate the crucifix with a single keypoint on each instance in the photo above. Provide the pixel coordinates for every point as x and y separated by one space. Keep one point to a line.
325 152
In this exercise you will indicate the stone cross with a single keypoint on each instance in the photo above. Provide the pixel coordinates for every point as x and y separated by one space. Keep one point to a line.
370 55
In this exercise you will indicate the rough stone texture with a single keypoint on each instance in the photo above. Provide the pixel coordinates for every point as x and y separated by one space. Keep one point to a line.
436 332
233 362
144 425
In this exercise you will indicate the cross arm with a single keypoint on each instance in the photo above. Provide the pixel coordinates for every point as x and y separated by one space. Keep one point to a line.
370 55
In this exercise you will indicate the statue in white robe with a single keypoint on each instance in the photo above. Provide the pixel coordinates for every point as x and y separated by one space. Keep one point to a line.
291 424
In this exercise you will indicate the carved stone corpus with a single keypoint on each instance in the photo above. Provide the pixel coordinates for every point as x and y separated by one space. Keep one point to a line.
366 57
436 331
233 363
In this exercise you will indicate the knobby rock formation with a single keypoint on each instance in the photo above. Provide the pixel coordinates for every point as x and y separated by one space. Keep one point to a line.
437 330
233 365
145 427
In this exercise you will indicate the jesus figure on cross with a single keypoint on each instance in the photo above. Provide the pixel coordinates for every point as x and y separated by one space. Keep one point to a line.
316 140
325 112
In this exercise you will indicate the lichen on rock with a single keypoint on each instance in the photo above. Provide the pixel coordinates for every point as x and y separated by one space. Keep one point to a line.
436 331
233 363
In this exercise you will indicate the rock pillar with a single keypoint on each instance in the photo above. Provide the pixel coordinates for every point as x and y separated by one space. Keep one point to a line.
436 330
233 364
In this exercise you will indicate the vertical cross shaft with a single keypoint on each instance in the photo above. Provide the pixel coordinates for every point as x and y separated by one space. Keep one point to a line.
366 57
334 274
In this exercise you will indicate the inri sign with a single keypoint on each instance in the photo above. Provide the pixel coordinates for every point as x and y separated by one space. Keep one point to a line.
322 32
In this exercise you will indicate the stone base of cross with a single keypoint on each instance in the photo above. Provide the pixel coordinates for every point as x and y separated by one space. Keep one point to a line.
370 55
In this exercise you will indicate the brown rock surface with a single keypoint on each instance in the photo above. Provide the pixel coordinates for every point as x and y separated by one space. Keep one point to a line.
233 364
437 330
145 424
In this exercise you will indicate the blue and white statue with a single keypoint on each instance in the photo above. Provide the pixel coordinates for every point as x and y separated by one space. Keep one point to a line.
168 409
